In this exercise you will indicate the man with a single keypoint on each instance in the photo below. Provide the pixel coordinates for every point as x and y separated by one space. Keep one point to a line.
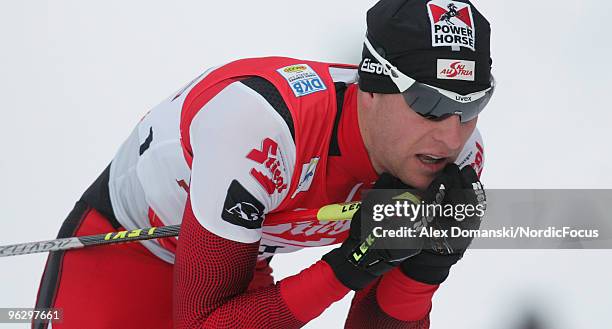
266 136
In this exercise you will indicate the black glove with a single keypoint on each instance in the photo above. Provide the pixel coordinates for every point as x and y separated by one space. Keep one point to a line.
463 187
361 259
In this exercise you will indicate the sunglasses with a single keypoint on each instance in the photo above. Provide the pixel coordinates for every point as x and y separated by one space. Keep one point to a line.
432 102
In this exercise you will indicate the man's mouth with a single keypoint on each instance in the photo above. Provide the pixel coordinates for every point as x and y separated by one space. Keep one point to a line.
430 158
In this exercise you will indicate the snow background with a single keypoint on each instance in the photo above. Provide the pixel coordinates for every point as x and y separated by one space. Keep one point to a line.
75 77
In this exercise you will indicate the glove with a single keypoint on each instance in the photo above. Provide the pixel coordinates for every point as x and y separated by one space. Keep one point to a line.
454 187
362 258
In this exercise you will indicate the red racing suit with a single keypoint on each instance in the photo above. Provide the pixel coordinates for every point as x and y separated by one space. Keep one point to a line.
243 141
303 149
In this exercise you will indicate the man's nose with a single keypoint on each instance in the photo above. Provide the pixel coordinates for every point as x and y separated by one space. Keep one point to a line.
448 132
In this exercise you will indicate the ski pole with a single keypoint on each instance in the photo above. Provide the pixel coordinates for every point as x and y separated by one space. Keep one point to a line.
331 212
89 240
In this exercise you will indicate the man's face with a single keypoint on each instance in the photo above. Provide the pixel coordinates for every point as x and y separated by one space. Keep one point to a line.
407 145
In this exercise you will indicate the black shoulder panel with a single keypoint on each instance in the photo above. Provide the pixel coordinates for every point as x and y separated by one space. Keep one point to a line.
334 149
267 90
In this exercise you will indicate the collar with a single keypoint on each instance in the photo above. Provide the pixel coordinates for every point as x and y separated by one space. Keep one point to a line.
354 156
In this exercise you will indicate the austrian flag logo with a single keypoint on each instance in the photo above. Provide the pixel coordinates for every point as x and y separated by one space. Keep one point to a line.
452 24
456 69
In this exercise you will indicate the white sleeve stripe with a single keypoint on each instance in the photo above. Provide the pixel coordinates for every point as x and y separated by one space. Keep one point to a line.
232 124
345 75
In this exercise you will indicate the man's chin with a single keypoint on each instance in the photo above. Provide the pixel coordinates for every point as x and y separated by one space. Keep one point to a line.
418 174
419 182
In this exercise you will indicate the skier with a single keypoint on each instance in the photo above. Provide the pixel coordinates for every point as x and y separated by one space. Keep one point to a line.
265 136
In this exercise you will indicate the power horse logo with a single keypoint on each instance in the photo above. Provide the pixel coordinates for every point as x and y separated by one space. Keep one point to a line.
451 24
452 12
